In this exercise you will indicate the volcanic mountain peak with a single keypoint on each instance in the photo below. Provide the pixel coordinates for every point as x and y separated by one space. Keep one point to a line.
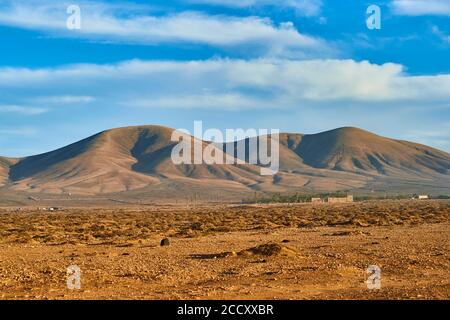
356 150
138 157
115 160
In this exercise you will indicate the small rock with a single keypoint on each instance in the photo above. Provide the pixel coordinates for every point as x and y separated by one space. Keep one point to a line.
165 242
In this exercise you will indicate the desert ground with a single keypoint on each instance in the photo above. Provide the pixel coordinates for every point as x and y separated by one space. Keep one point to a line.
277 251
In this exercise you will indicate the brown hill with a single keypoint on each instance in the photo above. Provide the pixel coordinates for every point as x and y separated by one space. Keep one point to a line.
137 161
357 151
117 160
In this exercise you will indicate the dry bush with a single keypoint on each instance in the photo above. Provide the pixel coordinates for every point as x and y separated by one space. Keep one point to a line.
140 226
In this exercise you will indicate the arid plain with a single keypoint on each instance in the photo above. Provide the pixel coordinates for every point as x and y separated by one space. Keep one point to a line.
119 194
277 251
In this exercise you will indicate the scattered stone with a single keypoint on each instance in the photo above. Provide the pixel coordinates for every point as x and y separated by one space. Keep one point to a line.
196 226
165 242
268 249
207 256
359 223
304 224
346 233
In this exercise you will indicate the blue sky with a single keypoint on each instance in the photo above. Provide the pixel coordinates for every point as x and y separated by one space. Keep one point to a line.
294 65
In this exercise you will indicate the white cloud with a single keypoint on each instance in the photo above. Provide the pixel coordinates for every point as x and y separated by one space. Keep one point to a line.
24 110
328 93
226 101
64 99
421 7
444 37
18 131
303 7
103 22
224 84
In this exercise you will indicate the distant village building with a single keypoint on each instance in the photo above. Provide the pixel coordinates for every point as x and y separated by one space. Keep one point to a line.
316 200
346 199
424 197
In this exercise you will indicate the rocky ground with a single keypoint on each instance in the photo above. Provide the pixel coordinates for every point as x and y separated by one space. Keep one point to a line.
228 252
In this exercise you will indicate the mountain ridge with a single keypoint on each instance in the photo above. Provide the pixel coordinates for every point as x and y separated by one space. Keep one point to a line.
138 158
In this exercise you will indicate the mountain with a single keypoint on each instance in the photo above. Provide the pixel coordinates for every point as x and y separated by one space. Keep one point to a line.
354 150
5 164
136 162
117 160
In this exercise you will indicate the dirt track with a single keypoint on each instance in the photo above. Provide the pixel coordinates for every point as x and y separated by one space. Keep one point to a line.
318 252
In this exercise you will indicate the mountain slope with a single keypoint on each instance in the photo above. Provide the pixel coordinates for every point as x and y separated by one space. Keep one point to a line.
5 165
115 160
139 158
356 150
